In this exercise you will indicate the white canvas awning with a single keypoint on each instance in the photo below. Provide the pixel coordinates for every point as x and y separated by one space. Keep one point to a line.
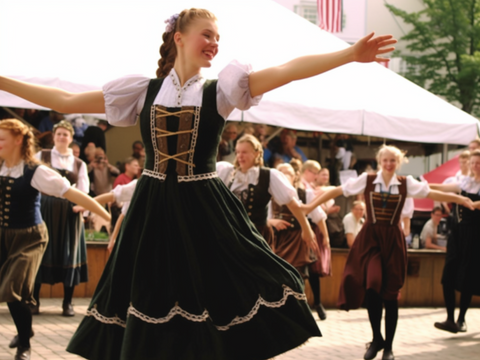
80 45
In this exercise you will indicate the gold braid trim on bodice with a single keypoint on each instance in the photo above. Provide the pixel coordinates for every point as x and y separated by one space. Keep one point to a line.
184 133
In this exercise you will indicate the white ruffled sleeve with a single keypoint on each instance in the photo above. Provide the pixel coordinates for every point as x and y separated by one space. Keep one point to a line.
124 193
124 99
49 182
316 214
417 189
233 90
280 189
355 186
225 171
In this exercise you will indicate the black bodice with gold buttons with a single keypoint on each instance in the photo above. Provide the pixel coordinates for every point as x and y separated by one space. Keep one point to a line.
19 201
256 198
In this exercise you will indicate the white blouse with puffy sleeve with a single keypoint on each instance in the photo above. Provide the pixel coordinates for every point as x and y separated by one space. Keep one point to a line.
316 214
125 97
66 162
44 179
124 193
280 189
415 188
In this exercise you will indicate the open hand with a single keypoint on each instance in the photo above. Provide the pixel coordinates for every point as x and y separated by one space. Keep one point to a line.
371 48
279 224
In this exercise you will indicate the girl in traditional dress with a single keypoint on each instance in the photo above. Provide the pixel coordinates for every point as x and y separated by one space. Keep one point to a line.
65 258
290 245
190 277
23 234
462 266
310 172
255 185
376 265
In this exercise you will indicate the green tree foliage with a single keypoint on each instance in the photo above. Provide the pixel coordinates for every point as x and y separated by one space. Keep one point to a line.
444 49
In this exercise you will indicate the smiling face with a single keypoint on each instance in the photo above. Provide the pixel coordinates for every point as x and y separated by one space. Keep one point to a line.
388 162
62 137
199 44
8 143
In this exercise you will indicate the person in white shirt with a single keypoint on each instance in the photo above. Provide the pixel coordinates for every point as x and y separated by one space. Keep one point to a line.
376 265
65 258
462 266
428 236
353 221
23 234
182 210
254 185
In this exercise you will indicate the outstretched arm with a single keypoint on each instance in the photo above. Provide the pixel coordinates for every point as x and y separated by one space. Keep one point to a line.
367 49
307 233
56 99
445 187
79 198
101 199
441 196
327 195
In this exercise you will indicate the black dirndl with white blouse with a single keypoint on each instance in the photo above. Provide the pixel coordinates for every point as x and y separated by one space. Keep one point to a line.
65 258
190 277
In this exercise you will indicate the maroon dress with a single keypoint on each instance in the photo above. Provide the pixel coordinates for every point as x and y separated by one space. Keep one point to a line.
378 257
289 244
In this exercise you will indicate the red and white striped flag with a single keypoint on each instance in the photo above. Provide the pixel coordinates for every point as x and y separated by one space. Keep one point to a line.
330 15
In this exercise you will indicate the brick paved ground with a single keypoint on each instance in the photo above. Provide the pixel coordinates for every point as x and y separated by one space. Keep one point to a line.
345 335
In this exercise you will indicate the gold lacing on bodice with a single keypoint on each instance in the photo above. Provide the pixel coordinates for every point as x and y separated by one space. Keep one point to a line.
164 133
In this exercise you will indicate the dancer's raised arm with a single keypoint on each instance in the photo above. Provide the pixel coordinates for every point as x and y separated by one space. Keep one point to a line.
367 49
323 198
56 99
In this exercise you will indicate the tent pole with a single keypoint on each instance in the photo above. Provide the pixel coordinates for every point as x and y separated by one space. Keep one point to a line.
320 146
445 153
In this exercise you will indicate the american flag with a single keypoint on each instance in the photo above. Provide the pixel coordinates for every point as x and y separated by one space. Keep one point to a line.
330 15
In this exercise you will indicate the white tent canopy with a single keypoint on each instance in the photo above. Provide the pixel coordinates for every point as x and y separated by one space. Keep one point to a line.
80 45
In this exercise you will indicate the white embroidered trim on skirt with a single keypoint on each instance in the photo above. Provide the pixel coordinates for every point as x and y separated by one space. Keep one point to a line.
177 310
185 178
106 320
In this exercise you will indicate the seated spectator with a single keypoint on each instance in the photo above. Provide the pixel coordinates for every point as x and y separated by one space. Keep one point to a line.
138 152
289 148
429 237
75 149
308 173
79 125
89 152
94 134
46 124
101 173
260 132
130 173
226 147
353 221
